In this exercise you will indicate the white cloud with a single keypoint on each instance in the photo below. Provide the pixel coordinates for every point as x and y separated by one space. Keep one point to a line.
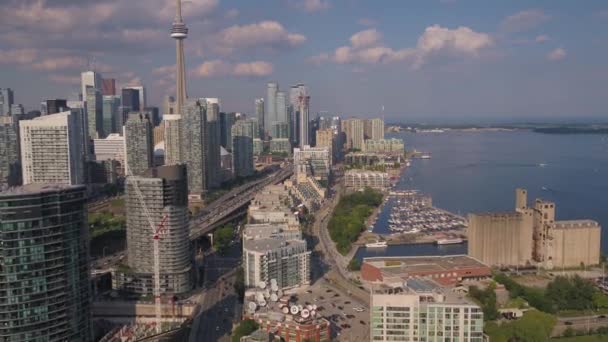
524 20
367 47
557 54
365 38
60 63
18 56
311 5
366 22
216 68
265 34
542 38
231 14
64 79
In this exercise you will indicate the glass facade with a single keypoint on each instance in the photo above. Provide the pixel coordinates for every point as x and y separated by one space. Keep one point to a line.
44 275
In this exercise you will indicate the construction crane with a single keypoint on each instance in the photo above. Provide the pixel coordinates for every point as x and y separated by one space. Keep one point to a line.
156 233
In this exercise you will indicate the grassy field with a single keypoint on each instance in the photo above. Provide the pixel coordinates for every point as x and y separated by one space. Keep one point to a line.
593 338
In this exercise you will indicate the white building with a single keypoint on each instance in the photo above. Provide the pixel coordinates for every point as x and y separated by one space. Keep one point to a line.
314 162
110 148
420 310
384 146
89 79
359 179
52 149
286 260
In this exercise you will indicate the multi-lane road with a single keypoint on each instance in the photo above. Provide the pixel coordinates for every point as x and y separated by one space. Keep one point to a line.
232 201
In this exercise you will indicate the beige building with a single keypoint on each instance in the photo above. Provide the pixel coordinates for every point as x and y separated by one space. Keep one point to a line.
532 236
326 138
384 146
374 129
359 179
354 132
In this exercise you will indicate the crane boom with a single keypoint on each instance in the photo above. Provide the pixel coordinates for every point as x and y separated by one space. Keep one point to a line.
156 230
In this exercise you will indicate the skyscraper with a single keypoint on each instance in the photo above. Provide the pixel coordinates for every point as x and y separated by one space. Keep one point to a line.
212 106
52 149
45 273
110 114
169 105
242 147
141 92
227 120
270 114
90 79
194 146
154 115
179 32
94 113
56 106
130 100
259 113
172 126
374 129
139 145
282 107
304 133
10 166
17 109
163 190
354 134
6 101
108 87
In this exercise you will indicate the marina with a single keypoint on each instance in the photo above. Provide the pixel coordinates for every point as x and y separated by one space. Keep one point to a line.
414 213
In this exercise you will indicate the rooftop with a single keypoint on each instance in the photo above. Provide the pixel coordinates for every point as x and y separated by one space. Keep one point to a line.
264 245
423 263
573 224
36 188
429 291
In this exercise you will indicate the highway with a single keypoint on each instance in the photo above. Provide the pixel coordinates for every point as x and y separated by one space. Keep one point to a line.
232 201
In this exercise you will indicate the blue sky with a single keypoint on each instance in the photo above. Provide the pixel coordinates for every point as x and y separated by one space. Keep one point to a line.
432 60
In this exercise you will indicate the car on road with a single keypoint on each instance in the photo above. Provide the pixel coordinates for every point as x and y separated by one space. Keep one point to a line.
568 323
362 322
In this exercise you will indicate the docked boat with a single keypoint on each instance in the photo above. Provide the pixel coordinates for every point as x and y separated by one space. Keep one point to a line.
377 244
449 241
425 156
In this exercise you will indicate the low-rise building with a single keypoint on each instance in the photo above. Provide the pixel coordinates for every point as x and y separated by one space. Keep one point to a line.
445 270
359 179
285 260
312 162
420 310
390 146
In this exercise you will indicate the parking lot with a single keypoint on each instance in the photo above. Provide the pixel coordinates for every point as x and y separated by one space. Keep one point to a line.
349 319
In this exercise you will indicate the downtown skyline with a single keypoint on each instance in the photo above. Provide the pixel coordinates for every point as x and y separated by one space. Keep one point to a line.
435 60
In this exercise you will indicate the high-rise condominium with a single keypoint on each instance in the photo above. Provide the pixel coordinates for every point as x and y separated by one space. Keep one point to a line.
354 133
270 114
194 146
282 107
259 113
139 145
10 166
212 143
45 273
90 79
243 133
374 129
163 191
227 120
52 149
94 113
304 133
154 115
6 101
110 114
172 132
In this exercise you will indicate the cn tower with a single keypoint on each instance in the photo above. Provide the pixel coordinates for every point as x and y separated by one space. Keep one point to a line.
179 32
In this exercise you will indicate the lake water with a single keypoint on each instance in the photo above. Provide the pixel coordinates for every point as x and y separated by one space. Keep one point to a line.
478 172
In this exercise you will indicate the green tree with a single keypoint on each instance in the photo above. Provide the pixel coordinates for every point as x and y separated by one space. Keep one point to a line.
222 238
354 265
245 328
239 283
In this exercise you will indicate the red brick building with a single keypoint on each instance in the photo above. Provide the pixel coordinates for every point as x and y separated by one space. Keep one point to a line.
445 270
295 330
